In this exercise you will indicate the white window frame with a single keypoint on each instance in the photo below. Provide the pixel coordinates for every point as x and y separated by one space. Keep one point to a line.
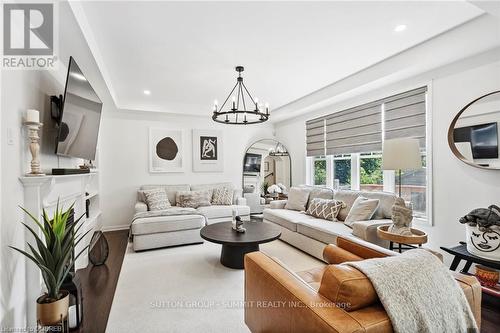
310 162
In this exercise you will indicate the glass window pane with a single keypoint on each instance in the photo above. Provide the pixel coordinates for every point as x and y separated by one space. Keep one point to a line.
370 174
319 172
413 188
342 172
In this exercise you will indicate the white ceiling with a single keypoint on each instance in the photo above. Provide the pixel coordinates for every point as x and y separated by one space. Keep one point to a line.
185 52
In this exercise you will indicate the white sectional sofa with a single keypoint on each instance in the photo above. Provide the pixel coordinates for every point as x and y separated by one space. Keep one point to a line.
163 231
311 234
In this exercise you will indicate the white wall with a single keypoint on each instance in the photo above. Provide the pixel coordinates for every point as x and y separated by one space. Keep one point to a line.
21 90
457 187
124 157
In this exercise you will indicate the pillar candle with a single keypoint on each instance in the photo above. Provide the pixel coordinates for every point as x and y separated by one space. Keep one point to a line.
33 116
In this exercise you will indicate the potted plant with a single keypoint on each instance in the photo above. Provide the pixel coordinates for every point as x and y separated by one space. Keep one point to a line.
54 257
265 186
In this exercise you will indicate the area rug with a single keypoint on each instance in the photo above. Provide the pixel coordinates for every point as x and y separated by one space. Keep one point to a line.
186 289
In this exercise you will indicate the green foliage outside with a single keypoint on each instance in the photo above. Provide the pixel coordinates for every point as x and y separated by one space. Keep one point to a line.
343 171
370 171
320 172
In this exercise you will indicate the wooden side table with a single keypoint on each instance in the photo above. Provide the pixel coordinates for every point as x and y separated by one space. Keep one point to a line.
418 238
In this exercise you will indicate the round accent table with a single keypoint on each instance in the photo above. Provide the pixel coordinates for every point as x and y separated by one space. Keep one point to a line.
418 238
234 244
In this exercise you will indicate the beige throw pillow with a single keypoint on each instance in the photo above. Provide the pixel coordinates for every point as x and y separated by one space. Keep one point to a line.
156 199
297 198
193 199
222 196
362 210
348 197
326 209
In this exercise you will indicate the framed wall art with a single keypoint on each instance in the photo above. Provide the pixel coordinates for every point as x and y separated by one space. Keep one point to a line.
207 151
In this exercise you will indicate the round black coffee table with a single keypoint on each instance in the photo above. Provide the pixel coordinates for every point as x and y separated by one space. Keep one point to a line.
234 244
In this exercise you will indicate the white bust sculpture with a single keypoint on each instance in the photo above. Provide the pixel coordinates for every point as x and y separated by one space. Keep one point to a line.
401 218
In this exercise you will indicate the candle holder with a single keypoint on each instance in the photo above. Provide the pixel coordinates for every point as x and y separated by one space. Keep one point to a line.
34 138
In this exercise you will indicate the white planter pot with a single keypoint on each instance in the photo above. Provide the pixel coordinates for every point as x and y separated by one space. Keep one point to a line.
484 244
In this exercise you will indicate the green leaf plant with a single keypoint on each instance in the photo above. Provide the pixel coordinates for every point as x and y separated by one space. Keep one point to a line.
53 253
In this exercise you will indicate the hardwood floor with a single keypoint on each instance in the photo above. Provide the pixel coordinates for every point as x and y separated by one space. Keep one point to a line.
99 284
490 314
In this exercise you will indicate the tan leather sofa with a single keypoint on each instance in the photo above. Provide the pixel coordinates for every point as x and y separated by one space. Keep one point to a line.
331 298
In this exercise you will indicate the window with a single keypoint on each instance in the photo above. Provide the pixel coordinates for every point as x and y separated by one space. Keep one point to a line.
350 142
370 173
342 171
413 188
320 171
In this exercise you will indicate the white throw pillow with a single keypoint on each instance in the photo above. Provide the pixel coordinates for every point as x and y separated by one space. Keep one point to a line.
156 199
222 196
297 198
362 210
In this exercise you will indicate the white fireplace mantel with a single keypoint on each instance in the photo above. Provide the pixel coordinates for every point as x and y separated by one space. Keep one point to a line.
45 192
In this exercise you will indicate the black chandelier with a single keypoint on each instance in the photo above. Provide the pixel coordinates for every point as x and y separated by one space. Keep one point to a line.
235 115
279 150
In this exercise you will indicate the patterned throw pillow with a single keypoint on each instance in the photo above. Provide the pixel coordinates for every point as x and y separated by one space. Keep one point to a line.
193 199
156 199
326 209
222 196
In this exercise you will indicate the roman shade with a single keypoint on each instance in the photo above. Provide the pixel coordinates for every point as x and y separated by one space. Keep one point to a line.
362 129
315 137
354 130
404 115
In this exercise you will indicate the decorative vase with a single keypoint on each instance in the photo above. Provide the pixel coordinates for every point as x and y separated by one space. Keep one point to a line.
483 242
487 277
53 313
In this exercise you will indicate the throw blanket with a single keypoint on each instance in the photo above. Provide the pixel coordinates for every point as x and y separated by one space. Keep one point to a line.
171 211
418 293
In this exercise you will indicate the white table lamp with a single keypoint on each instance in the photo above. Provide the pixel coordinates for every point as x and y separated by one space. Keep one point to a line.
401 154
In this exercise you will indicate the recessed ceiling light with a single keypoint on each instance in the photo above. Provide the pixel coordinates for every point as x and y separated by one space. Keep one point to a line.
400 28
147 92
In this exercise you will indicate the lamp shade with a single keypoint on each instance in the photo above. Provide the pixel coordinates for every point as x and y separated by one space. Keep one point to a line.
401 154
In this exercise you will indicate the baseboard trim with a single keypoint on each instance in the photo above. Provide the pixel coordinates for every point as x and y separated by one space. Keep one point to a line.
115 227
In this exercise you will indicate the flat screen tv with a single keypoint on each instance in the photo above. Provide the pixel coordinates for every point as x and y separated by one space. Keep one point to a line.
252 162
483 139
80 116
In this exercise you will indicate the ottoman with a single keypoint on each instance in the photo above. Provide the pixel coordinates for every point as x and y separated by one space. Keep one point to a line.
163 231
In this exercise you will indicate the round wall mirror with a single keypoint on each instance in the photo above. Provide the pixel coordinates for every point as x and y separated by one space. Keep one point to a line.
266 173
474 132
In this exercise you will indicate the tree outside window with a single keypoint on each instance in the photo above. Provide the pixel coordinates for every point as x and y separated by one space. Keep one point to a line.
371 176
342 171
320 171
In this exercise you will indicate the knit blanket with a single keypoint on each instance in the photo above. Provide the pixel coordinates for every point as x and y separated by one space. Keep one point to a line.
171 211
418 293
